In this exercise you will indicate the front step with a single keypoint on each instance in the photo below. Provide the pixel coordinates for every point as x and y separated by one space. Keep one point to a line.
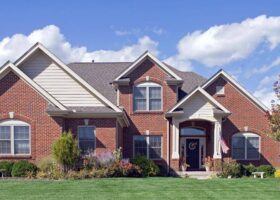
197 174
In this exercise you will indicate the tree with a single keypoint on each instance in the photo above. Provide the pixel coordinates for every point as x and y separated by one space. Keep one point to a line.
274 115
66 150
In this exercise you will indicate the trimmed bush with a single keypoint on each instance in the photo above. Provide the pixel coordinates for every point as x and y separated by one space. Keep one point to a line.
7 166
248 169
267 169
148 167
66 150
232 169
24 168
46 164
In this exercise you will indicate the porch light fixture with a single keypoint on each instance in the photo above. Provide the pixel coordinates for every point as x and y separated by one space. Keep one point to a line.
86 121
11 115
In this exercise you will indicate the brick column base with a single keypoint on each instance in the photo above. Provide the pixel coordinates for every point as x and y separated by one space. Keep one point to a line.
217 165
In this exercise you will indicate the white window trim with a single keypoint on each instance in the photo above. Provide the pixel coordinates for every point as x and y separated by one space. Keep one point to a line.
94 127
12 124
220 90
147 85
148 144
247 135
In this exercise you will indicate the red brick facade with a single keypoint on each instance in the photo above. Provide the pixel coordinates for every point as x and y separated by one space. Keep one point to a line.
245 114
140 122
105 130
29 106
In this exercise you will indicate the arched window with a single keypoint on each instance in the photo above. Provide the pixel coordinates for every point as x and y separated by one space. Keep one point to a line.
147 97
14 138
246 146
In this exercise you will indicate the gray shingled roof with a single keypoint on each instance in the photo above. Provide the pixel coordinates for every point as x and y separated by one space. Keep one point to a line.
101 75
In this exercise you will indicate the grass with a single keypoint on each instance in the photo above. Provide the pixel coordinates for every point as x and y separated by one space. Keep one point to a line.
144 188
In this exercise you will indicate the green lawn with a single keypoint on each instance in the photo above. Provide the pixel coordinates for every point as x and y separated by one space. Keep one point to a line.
145 188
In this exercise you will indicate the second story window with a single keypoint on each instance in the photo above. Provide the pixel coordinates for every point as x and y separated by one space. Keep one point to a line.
147 97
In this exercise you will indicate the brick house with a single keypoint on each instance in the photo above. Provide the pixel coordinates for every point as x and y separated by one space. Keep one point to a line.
146 107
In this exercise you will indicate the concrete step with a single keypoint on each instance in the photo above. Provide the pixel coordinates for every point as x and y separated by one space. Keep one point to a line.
197 174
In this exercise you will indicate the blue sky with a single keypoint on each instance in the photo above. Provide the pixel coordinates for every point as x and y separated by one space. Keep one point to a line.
243 37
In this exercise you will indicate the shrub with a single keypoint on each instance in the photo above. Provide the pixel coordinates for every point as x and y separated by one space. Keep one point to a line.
277 173
148 167
24 168
7 166
232 169
247 170
267 169
105 159
46 164
66 150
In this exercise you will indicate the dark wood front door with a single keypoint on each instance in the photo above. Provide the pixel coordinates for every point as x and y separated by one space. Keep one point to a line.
192 153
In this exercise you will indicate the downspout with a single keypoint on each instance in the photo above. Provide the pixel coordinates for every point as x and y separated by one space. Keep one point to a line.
168 146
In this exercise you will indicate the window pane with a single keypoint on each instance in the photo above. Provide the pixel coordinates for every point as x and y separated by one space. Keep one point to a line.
140 104
87 147
21 132
238 147
140 145
155 93
253 148
155 147
5 132
5 147
155 104
140 92
86 133
22 147
86 139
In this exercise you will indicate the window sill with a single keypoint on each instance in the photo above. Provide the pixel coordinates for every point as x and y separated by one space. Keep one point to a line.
257 159
148 112
15 156
220 95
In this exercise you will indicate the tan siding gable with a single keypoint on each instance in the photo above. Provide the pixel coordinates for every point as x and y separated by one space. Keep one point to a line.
198 107
57 82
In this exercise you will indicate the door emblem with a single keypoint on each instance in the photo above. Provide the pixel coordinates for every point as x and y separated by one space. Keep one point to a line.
192 145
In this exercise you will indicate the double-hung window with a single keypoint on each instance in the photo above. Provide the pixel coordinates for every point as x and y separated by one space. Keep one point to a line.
147 97
86 135
246 146
14 138
149 146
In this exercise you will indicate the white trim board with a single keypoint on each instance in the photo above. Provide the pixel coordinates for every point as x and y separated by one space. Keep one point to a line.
142 58
237 85
11 67
203 92
39 46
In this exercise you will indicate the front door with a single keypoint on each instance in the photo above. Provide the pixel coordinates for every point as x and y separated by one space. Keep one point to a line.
192 153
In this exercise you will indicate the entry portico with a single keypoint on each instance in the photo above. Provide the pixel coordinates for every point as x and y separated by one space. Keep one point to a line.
196 123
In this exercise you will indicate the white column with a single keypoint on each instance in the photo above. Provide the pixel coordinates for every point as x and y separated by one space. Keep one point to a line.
217 139
175 140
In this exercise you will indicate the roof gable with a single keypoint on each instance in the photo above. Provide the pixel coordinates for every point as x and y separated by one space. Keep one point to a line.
11 67
141 59
205 94
227 77
66 69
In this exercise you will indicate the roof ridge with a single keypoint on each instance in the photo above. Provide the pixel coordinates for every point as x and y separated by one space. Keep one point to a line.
97 62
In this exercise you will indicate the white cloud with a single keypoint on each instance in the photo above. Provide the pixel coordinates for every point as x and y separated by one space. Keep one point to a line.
265 91
264 68
265 95
268 81
140 31
226 43
12 47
